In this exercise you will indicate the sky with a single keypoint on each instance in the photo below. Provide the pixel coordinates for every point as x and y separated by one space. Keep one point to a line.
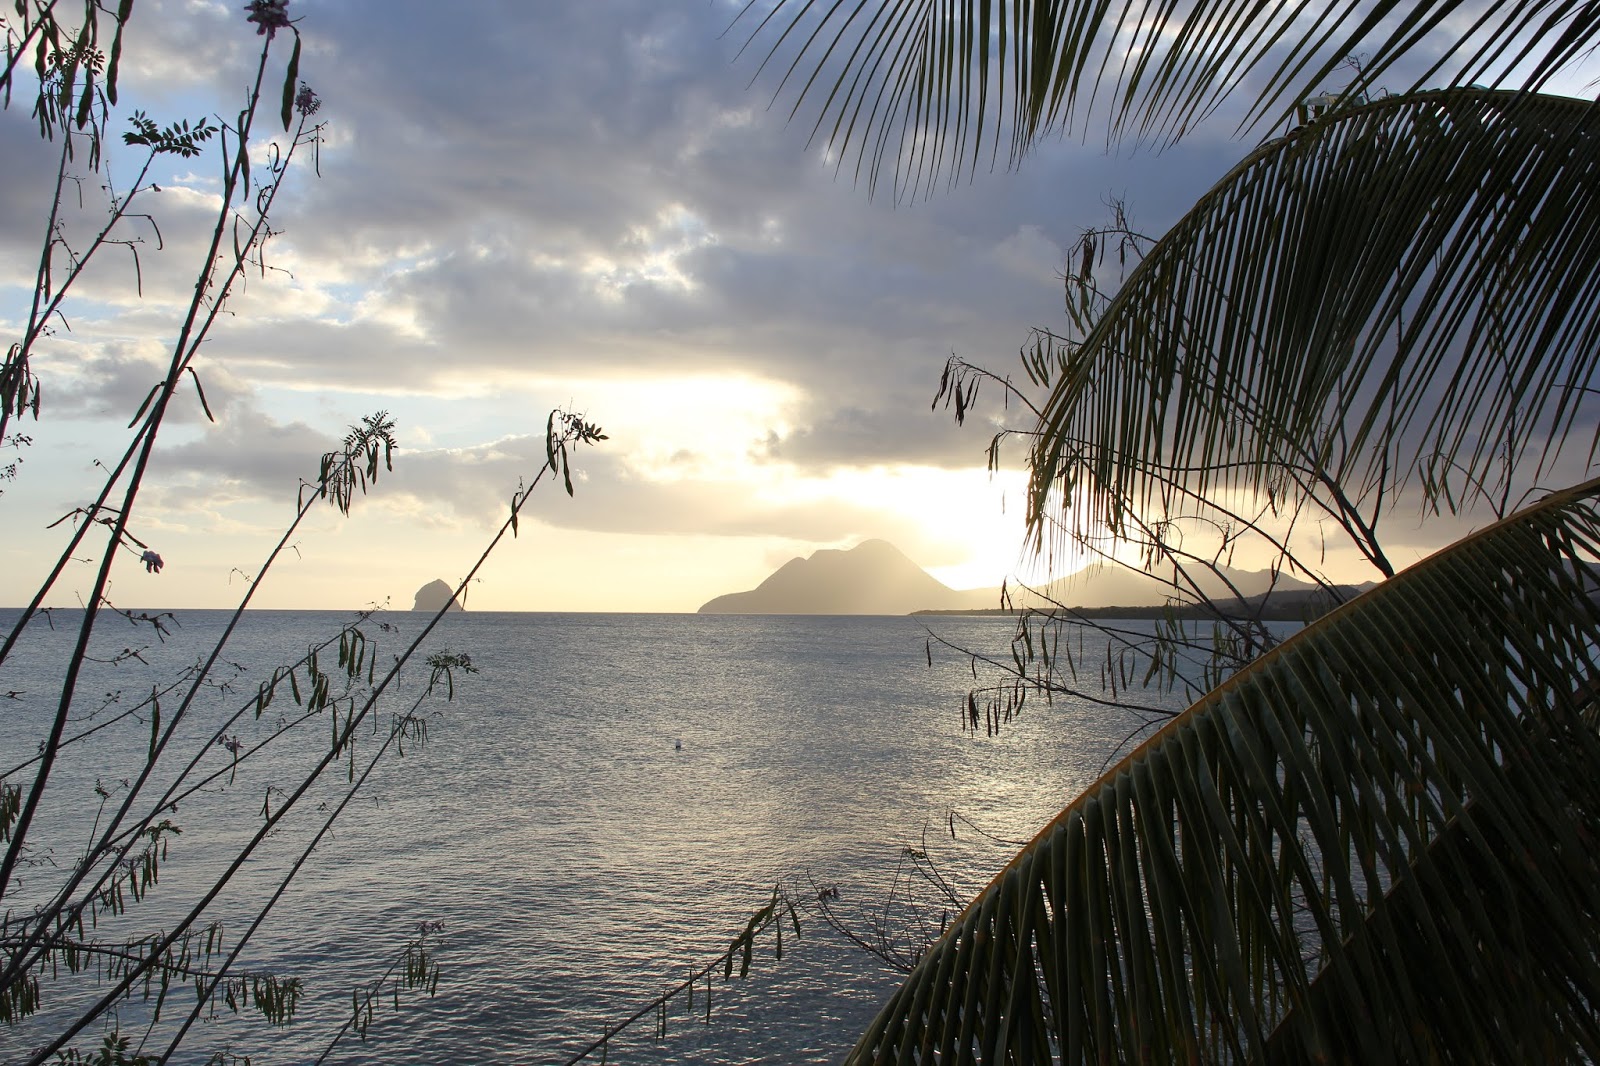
522 205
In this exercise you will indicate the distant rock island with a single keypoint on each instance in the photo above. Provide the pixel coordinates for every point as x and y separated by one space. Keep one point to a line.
434 595
874 577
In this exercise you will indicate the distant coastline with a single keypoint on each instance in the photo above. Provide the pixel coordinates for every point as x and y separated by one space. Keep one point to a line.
1283 607
876 578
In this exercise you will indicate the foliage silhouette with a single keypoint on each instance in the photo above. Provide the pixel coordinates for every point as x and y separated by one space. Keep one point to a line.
59 886
1374 843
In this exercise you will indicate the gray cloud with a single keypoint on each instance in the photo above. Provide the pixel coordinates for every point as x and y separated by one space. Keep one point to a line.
610 497
583 190
850 436
504 160
113 380
252 452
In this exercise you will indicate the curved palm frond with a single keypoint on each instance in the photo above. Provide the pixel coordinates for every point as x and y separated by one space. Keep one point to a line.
1405 287
1376 844
920 87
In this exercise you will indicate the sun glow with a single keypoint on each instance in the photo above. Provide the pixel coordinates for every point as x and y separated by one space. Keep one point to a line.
965 527
701 426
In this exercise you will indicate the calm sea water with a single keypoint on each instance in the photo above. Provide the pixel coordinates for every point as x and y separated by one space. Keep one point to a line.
597 812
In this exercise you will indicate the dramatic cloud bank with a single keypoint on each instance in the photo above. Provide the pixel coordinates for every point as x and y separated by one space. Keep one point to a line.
529 205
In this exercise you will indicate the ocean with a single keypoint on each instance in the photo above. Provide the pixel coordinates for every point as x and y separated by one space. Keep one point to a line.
596 813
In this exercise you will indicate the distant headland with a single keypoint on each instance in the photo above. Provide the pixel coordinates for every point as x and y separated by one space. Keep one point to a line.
874 577
434 595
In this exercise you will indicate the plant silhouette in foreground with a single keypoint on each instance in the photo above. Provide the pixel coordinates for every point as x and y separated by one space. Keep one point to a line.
1375 843
107 936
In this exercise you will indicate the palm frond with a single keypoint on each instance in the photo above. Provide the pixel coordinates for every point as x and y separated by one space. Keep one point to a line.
1403 287
1376 844
920 88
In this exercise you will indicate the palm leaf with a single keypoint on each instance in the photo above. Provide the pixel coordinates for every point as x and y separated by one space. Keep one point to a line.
1376 844
1405 286
917 88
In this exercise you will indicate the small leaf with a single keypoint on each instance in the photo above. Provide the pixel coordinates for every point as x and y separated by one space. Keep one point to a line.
204 406
144 406
290 80
86 98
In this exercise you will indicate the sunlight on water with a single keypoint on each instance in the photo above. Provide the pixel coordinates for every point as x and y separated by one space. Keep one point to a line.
597 813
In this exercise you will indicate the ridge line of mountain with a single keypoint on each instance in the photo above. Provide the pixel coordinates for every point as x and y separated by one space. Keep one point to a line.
875 577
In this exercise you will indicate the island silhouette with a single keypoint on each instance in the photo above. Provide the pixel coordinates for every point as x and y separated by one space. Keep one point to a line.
434 595
875 577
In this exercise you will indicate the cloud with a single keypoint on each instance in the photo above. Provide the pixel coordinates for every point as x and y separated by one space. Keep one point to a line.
1029 254
252 456
588 189
525 205
250 452
850 435
112 381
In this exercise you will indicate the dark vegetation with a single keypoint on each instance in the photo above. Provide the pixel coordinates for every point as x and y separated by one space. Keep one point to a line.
1368 842
339 706
1372 842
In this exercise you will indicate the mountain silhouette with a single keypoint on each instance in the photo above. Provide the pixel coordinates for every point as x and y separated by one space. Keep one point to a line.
874 577
1104 585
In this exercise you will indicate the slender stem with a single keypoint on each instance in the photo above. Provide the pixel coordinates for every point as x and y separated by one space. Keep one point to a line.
26 952
36 324
18 363
661 1000
203 672
271 822
181 353
80 530
204 991
372 989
